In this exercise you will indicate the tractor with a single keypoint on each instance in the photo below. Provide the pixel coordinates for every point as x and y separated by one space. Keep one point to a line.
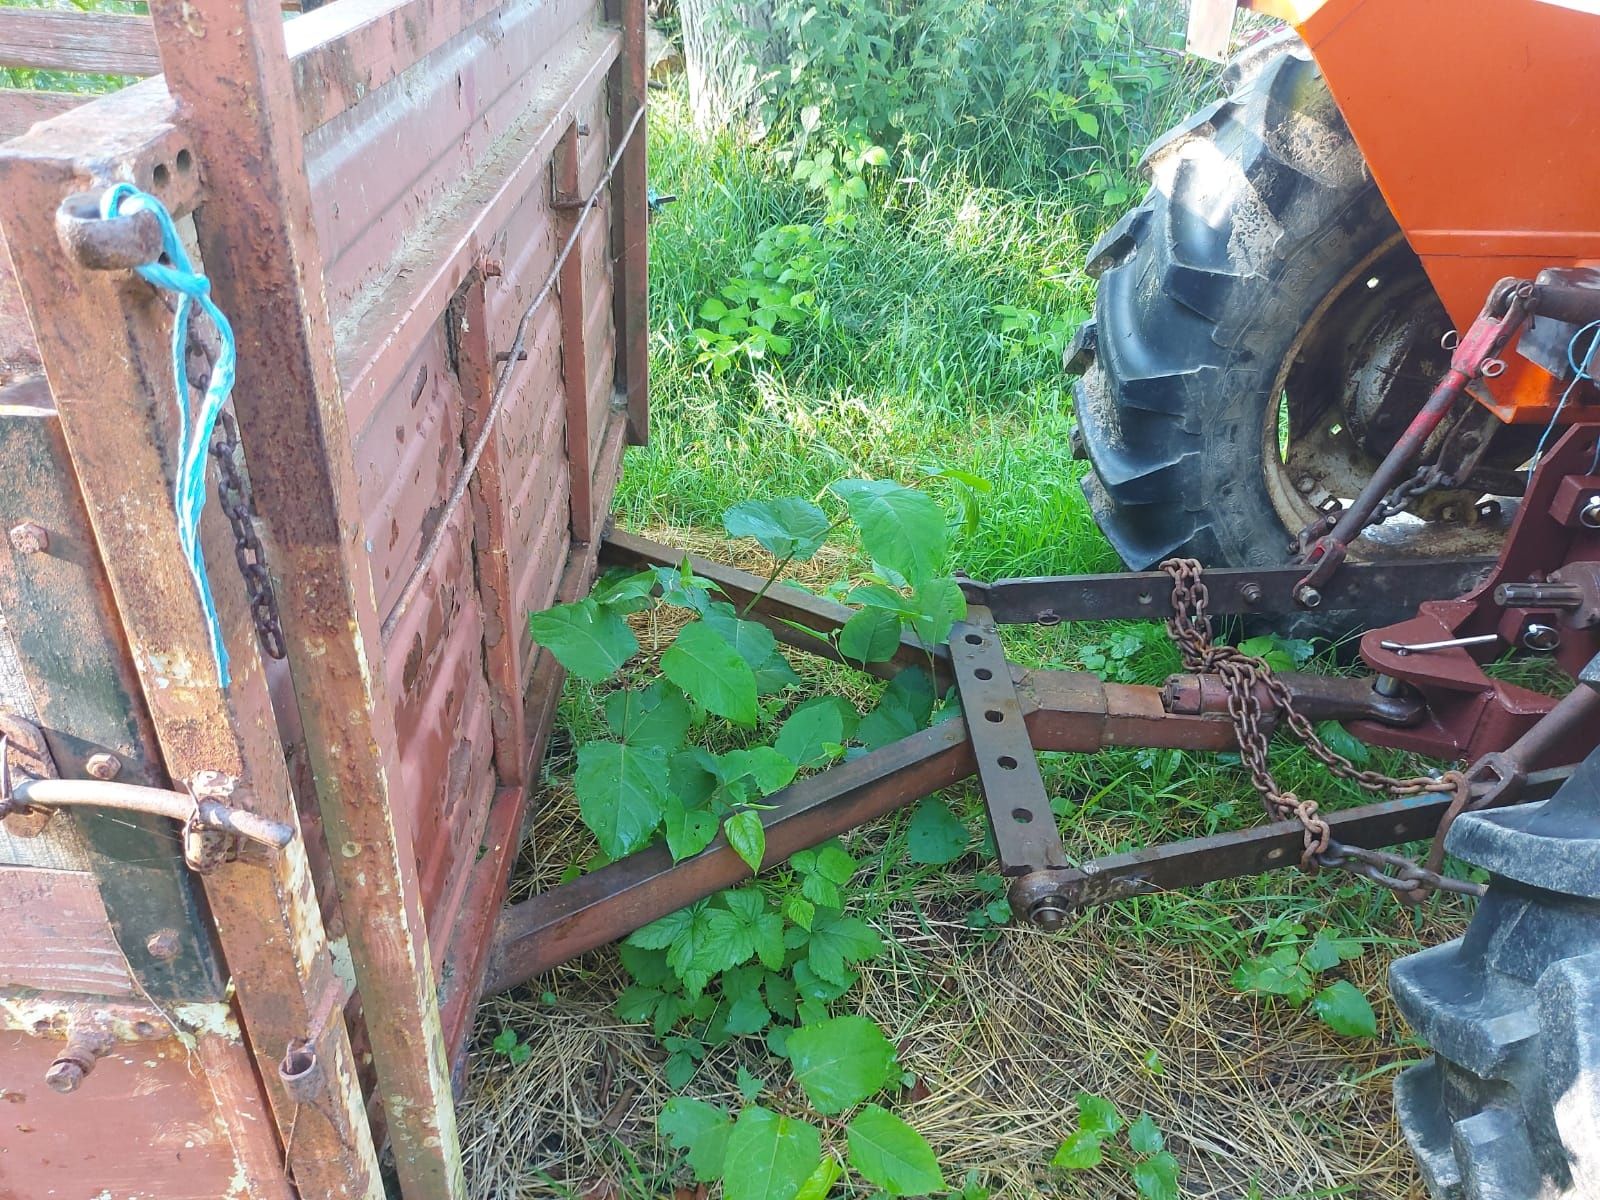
1354 321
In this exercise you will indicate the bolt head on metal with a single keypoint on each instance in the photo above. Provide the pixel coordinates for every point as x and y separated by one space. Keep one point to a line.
163 944
1308 596
103 766
30 538
64 1076
1251 593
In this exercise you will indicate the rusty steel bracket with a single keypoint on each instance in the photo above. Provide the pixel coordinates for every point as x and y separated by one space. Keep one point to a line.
1234 591
1025 833
1047 897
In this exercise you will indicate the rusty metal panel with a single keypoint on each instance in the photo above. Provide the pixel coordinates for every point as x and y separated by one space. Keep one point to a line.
58 936
137 1127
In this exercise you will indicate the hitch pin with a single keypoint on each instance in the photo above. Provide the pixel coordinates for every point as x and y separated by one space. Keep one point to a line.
1403 649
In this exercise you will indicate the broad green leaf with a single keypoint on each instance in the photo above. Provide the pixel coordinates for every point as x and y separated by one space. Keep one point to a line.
1341 741
752 640
624 591
663 931
820 1185
586 639
841 1061
774 673
704 665
769 1157
787 527
836 941
1144 1135
1345 1010
769 768
747 837
748 1015
1079 1151
634 1003
1326 952
1278 974
884 724
936 835
939 604
900 527
870 635
1098 1115
689 830
888 1152
620 796
657 715
1157 1177
811 729
700 1128
833 862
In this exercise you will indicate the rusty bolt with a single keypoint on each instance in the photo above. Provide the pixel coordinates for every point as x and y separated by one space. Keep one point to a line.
163 944
492 268
1250 593
583 130
30 538
65 1075
103 766
1449 513
1305 485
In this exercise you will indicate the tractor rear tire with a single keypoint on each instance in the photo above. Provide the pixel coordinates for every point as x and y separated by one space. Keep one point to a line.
1261 213
1508 1107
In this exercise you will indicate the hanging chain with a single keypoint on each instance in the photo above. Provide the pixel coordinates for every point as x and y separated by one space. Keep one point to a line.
1246 677
234 495
1427 478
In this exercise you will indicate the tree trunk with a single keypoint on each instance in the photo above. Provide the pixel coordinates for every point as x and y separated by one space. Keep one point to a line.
723 59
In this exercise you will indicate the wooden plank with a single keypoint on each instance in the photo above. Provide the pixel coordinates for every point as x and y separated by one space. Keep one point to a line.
20 110
105 345
58 935
226 62
94 43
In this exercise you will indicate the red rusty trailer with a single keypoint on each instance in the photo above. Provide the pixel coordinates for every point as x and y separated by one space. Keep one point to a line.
425 221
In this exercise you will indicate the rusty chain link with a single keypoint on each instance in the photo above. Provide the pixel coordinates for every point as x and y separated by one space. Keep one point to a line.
1242 675
1427 478
234 495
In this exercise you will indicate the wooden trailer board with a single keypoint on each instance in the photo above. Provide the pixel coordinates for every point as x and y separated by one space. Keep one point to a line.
425 222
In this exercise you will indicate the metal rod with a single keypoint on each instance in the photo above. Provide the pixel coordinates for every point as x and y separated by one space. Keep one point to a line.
1405 648
502 389
130 797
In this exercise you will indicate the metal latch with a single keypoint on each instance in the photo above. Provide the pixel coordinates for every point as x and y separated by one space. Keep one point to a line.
31 789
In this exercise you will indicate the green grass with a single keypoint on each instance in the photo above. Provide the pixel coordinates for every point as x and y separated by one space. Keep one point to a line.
906 372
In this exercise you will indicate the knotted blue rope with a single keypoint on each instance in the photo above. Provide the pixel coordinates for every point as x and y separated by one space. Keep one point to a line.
177 274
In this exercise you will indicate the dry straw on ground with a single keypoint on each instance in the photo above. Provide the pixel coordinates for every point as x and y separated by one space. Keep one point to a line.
1001 1030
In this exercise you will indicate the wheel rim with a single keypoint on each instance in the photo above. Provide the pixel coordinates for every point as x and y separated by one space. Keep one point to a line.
1360 369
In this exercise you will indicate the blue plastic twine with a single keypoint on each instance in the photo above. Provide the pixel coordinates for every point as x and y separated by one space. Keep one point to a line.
177 274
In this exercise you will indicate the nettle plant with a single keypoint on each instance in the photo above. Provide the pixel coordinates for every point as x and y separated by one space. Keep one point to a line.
761 959
840 1063
1290 972
774 290
1139 1149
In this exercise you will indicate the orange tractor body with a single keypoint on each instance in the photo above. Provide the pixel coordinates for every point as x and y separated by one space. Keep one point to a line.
1481 189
